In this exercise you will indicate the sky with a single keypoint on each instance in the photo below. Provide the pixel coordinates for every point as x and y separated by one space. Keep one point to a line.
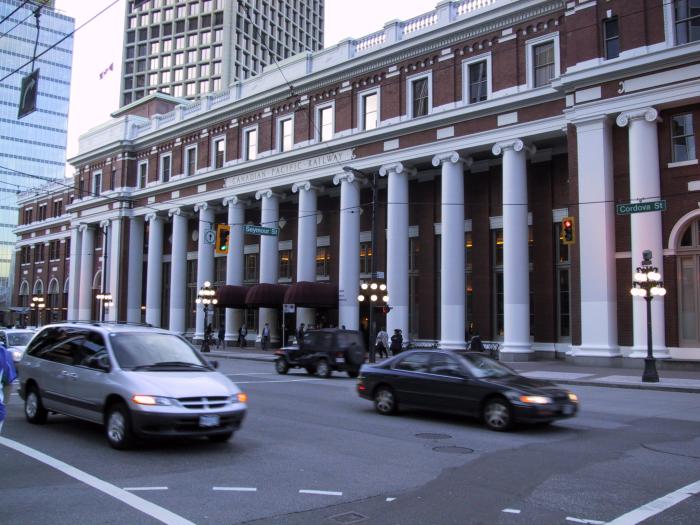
99 45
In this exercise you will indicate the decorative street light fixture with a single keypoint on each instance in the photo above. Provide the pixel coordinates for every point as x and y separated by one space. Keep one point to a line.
105 299
38 303
647 283
205 297
375 294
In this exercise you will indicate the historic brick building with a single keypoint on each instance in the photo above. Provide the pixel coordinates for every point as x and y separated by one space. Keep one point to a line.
484 123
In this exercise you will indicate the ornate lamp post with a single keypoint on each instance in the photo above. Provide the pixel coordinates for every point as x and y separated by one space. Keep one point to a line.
647 283
105 299
205 297
39 305
376 295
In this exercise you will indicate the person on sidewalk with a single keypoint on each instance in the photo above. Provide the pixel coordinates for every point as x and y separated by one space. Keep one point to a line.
242 333
382 343
7 376
265 339
396 342
222 335
300 335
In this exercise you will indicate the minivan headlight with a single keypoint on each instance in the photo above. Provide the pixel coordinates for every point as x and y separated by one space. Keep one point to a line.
241 397
141 399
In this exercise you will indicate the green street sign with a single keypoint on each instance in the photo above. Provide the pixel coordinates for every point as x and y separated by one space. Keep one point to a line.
252 229
640 207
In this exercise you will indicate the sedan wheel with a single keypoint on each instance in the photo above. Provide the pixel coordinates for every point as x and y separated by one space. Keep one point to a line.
385 401
281 366
497 415
118 429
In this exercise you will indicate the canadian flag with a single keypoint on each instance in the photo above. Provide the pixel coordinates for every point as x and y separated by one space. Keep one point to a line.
104 73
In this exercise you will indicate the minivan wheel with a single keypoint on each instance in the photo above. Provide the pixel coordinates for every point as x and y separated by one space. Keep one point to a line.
323 369
281 366
385 401
498 415
118 427
34 410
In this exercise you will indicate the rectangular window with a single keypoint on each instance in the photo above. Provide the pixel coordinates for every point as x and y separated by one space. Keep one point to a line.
365 257
543 59
191 160
682 138
285 134
478 82
420 97
28 216
285 267
325 117
251 267
611 35
54 250
370 111
251 144
687 21
165 167
142 174
219 152
57 208
97 183
39 253
323 262
42 212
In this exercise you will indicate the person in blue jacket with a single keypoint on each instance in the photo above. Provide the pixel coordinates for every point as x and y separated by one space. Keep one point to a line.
7 376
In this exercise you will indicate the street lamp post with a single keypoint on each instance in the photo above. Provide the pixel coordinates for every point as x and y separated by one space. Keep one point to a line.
375 294
205 297
39 305
647 283
105 299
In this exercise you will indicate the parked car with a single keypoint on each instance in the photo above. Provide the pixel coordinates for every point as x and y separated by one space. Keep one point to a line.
135 380
323 351
16 341
465 383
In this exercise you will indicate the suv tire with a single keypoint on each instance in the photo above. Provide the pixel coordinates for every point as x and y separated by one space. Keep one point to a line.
355 355
323 369
34 409
281 366
118 427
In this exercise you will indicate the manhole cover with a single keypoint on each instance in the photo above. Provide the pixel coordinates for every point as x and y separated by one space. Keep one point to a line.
348 517
453 450
428 435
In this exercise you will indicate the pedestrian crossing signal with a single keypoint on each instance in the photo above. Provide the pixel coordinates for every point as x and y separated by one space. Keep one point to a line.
223 234
567 231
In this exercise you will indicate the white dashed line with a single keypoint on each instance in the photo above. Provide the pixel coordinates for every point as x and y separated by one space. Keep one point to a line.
273 382
658 505
511 511
133 489
590 522
236 489
390 499
320 492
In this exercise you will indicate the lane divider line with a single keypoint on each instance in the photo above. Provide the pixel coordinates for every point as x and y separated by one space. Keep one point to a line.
140 504
236 489
273 382
145 488
658 505
580 520
511 511
320 492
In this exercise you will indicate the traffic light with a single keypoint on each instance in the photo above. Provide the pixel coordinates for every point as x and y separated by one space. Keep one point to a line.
223 233
568 235
386 309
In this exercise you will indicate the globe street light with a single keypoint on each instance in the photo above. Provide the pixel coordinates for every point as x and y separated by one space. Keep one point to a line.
373 292
205 297
105 299
38 304
647 283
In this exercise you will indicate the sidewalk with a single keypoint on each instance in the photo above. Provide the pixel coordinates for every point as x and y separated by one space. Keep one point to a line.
557 371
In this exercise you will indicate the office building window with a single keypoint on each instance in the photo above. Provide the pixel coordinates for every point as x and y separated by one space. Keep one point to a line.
325 120
41 215
57 208
687 21
285 134
419 97
543 60
165 167
285 266
191 160
365 257
370 111
323 262
219 152
611 35
251 144
478 81
142 174
682 138
251 268
97 183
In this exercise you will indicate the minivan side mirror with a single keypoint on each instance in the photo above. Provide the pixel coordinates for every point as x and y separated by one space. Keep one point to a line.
103 363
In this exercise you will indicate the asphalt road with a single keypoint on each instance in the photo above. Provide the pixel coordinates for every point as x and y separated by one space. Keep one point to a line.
311 451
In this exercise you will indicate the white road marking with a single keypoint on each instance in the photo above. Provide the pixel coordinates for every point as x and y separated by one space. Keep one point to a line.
579 520
271 382
320 492
658 505
132 489
511 511
390 499
132 500
236 489
254 374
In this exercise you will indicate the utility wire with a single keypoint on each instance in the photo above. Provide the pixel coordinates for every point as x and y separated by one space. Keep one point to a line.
18 23
25 2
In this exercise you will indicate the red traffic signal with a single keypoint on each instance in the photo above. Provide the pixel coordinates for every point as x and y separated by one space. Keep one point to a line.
568 235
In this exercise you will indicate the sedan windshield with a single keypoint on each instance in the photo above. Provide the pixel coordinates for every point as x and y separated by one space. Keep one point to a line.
19 339
155 351
481 366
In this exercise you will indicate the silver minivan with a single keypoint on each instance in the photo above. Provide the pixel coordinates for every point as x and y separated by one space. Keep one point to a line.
136 380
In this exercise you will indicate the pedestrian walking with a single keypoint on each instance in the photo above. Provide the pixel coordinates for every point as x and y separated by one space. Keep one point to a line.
475 345
300 335
222 335
265 339
396 342
207 339
242 333
382 343
7 376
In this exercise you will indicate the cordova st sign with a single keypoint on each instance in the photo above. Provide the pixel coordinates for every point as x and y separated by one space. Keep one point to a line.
640 207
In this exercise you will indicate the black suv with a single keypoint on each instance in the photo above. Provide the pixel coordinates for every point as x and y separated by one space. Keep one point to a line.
323 351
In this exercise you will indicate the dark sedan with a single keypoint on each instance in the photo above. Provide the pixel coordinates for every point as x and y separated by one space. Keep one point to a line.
465 383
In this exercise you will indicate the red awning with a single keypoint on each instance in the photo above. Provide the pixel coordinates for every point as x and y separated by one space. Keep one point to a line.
231 296
266 295
312 295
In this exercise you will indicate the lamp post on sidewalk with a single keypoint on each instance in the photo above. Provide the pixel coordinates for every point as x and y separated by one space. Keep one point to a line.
647 283
38 304
205 297
375 294
105 299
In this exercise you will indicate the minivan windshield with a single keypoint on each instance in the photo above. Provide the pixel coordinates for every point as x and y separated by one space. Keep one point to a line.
155 351
19 338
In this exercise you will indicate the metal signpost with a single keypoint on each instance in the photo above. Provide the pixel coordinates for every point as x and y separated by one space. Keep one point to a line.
640 207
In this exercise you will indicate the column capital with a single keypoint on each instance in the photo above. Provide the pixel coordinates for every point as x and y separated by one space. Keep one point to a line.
398 168
104 224
202 206
233 201
452 157
267 193
305 185
649 114
172 212
346 176
150 217
516 145
82 228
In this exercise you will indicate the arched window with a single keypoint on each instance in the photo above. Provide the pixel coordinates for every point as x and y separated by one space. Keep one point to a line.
97 281
24 293
53 292
38 287
688 257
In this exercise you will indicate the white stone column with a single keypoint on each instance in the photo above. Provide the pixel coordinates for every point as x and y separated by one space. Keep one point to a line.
235 262
86 272
452 253
154 269
647 234
516 274
178 272
114 261
596 235
306 243
74 275
135 270
269 258
397 247
349 264
205 263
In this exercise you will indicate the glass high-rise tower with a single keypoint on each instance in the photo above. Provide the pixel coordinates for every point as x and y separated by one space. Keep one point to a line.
32 149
